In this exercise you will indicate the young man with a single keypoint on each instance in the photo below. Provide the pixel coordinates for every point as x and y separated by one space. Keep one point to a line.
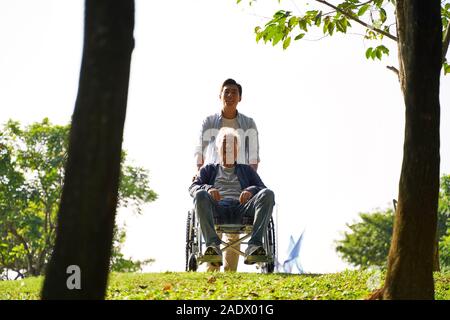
230 96
206 152
230 191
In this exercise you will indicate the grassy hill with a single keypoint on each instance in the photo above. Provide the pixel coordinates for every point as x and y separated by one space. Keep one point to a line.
181 285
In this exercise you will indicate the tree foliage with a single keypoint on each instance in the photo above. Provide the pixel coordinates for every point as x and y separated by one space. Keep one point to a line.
368 241
444 206
32 164
376 17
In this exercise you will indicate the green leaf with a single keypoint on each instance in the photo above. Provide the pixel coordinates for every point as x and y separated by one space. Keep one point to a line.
281 22
276 38
286 43
301 35
383 49
258 36
293 21
330 28
373 54
363 9
378 3
325 25
318 19
446 68
302 24
369 52
270 32
344 22
312 12
266 37
383 15
378 53
280 14
341 25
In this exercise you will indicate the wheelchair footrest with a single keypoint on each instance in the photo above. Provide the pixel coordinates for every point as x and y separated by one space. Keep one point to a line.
234 228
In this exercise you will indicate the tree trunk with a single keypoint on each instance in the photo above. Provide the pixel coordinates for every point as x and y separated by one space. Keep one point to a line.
410 262
88 204
436 264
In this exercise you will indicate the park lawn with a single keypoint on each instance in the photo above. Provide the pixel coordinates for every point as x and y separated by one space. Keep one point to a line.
347 285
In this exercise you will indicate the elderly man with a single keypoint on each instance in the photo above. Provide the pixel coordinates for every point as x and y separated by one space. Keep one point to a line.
231 191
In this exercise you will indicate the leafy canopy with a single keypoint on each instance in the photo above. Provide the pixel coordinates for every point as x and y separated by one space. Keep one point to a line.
32 161
367 242
376 17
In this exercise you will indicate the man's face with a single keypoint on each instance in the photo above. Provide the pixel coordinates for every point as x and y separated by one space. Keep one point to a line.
230 95
229 150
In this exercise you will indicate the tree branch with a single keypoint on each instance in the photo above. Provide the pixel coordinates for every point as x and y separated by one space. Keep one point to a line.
394 69
352 16
356 5
41 260
25 244
19 237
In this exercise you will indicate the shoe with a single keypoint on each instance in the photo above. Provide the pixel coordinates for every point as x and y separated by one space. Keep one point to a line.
255 254
213 255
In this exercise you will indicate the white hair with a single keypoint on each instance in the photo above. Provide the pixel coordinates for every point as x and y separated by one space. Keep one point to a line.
225 132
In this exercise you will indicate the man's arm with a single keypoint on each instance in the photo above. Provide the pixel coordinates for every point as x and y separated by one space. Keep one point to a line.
254 149
256 183
200 182
203 141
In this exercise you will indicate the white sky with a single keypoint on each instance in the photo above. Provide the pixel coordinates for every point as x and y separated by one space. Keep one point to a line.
331 122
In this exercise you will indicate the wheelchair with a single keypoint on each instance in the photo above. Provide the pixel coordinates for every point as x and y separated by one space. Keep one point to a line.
195 243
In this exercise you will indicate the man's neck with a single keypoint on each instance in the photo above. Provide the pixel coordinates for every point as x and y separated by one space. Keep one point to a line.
229 112
228 166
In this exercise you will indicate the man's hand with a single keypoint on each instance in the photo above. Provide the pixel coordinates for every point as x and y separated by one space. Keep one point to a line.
214 194
245 195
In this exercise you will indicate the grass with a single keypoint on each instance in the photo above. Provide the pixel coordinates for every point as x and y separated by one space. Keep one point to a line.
347 285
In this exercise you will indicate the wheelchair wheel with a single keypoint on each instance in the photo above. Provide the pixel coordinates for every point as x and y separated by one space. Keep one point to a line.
192 263
270 247
191 260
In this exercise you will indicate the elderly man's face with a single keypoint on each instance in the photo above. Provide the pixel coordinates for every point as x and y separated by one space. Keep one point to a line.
229 150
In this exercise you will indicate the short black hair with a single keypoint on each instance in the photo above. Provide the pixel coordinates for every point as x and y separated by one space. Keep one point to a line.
231 82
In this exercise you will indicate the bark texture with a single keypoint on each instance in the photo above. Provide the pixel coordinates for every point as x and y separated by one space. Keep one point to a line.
410 262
